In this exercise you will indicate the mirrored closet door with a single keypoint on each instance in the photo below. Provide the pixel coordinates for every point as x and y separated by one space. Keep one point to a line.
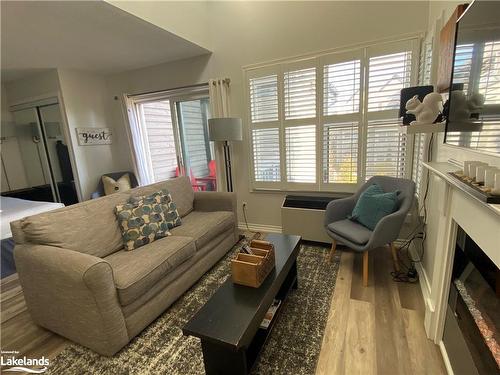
35 157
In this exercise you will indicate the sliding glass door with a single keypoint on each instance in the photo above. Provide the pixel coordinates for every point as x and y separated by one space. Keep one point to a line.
169 132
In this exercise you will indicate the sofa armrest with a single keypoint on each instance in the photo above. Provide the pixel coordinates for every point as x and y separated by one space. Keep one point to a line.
339 209
215 201
72 294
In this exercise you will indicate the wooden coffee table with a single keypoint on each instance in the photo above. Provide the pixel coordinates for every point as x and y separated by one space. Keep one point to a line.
229 323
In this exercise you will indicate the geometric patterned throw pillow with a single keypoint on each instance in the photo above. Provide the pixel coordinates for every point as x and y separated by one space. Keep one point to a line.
172 216
143 220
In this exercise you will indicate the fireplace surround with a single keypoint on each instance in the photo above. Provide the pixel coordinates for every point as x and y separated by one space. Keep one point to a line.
455 215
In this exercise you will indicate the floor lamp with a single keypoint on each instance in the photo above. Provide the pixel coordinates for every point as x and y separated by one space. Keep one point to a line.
226 130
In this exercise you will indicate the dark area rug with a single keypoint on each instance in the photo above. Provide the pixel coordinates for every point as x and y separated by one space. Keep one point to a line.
293 347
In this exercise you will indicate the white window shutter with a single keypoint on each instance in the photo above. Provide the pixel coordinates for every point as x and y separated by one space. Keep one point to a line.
388 74
340 153
300 94
385 149
264 99
341 87
300 145
266 155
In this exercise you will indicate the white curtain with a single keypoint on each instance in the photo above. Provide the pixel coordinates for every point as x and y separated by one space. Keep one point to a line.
219 107
137 143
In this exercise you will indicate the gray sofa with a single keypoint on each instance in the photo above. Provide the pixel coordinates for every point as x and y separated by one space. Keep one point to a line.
79 282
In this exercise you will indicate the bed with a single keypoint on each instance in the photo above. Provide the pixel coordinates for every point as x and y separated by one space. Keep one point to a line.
12 209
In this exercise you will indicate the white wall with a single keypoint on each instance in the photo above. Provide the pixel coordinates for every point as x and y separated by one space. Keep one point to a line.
32 87
6 114
187 19
244 33
86 105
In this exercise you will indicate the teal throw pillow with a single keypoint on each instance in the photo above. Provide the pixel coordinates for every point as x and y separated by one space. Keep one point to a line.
373 204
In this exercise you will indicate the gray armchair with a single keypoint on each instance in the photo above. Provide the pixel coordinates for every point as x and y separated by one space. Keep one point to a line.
359 238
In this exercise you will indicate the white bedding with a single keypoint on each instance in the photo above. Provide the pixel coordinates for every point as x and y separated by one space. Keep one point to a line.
12 209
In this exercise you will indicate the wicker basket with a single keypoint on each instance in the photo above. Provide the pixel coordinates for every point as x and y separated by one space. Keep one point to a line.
252 270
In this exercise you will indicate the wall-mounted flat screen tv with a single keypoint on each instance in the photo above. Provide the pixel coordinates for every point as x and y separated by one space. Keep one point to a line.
474 98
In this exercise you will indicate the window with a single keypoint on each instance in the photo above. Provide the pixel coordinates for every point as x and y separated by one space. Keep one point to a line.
169 133
159 132
264 98
329 122
266 154
388 74
341 87
386 146
300 94
301 153
340 153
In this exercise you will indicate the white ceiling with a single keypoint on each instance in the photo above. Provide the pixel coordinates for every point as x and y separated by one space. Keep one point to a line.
88 35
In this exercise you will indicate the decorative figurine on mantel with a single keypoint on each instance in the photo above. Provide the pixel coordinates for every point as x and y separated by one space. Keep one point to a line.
427 111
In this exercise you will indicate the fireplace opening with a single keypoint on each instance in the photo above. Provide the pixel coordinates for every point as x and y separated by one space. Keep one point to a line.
472 327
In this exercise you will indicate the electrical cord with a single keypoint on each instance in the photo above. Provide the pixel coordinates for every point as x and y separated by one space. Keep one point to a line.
256 235
408 272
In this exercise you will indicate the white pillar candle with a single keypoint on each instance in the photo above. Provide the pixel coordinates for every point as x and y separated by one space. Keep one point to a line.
480 170
489 176
496 188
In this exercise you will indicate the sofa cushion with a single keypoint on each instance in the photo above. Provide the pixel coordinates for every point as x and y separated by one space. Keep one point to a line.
180 188
135 272
89 227
351 231
203 226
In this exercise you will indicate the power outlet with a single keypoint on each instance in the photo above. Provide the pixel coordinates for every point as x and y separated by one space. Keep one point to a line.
244 204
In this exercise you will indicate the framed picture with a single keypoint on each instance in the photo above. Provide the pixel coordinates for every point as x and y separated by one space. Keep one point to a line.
94 136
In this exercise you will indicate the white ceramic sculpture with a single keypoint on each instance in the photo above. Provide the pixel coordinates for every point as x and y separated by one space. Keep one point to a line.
427 111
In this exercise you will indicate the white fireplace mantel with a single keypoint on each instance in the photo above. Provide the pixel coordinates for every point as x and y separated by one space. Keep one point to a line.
455 207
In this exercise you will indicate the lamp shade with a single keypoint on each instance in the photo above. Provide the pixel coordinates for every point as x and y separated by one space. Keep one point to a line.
225 129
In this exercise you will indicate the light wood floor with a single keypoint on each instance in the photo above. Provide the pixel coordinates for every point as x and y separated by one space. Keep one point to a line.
377 329
374 330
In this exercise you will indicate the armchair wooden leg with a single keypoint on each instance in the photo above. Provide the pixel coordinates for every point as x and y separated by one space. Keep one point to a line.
395 259
365 268
332 251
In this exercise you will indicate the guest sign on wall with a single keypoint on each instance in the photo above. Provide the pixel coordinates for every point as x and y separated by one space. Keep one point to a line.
94 136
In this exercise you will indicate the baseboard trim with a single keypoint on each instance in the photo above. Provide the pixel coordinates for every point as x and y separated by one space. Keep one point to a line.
446 359
260 228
